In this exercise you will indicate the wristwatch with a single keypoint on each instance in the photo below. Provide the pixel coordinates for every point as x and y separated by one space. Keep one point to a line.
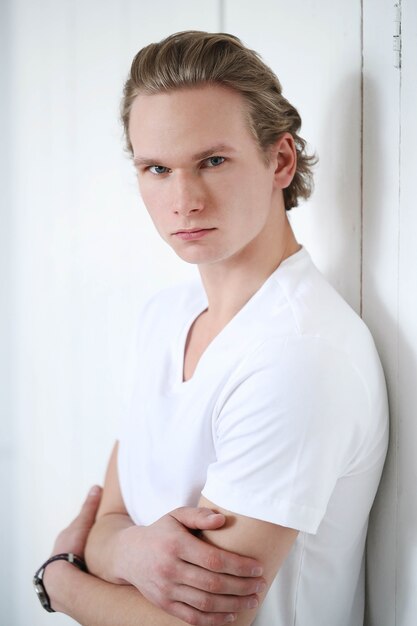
38 577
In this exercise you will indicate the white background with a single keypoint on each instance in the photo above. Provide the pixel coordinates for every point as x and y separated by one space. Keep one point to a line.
78 255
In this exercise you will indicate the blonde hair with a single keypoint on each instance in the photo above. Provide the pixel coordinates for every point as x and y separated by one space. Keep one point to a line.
192 58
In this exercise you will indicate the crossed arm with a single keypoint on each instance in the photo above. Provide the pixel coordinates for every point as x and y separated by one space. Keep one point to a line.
163 574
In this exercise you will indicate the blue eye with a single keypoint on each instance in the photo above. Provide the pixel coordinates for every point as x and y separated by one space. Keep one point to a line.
158 169
214 161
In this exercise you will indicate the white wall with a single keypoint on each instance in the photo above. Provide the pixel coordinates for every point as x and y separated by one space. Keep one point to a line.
315 49
84 254
6 311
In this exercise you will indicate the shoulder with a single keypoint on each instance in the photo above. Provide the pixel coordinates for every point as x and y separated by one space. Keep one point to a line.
313 312
304 396
312 356
316 306
298 370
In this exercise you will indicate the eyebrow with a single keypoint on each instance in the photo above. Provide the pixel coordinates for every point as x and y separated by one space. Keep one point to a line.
220 147
199 156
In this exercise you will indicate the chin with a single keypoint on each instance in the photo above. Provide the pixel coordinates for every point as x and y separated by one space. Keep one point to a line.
195 259
194 254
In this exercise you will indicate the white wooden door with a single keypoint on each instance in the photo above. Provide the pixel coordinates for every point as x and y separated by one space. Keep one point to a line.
390 298
380 276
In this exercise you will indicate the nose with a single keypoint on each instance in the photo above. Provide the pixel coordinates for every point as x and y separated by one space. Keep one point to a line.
187 194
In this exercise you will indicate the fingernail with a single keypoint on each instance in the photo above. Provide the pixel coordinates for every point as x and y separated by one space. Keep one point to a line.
214 514
257 571
94 491
261 587
230 618
252 603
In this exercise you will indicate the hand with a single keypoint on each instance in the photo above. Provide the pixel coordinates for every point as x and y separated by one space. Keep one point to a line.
185 576
74 537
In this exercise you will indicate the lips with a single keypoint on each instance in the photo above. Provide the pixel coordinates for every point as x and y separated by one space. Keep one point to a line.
191 234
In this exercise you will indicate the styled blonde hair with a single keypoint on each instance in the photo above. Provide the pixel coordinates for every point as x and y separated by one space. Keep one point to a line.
192 58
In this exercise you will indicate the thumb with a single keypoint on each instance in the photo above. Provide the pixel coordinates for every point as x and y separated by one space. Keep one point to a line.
87 515
74 537
198 518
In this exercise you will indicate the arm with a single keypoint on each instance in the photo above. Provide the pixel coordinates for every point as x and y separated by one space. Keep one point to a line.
94 602
118 551
196 578
266 542
177 571
87 599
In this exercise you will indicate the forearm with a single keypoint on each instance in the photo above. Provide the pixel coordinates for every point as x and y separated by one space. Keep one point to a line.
102 551
94 602
170 571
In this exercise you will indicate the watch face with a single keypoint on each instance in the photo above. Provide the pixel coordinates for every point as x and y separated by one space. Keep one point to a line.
39 588
38 577
42 595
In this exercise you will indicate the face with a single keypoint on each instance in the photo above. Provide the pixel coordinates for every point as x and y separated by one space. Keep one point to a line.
201 174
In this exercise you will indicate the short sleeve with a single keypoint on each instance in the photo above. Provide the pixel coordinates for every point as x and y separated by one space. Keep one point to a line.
285 431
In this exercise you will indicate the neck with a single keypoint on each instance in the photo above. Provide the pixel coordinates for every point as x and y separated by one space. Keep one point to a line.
230 284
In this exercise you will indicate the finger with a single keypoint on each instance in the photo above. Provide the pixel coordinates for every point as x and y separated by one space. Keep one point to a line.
204 580
87 515
215 603
198 518
196 617
214 559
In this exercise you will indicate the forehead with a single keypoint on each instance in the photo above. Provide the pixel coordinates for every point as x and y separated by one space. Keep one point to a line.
189 119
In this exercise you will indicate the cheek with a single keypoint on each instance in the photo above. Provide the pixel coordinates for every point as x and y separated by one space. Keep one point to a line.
152 200
228 195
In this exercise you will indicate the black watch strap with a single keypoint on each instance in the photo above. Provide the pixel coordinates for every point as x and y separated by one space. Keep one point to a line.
38 577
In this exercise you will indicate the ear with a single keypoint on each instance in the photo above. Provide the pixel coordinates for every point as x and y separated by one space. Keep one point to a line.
284 158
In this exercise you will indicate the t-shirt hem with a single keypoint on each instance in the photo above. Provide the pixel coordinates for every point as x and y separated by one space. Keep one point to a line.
276 511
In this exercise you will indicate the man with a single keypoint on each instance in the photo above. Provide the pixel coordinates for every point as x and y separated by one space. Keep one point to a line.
259 393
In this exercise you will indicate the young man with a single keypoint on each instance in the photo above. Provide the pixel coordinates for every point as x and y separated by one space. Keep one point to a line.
259 393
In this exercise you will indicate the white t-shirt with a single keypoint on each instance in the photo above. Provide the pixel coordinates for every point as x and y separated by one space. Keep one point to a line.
284 420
